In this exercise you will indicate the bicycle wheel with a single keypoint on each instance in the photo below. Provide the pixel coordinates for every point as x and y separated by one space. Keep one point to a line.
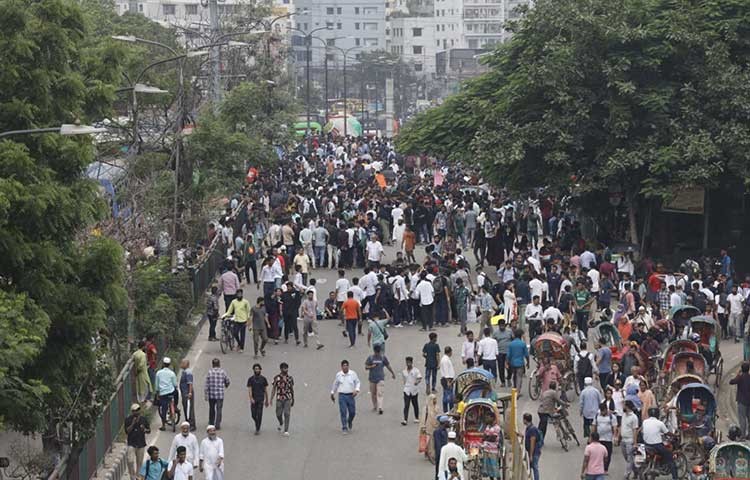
693 453
534 389
571 432
561 436
682 464
224 342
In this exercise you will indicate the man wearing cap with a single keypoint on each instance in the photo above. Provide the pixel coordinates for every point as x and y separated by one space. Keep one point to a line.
136 428
212 455
590 399
451 450
166 389
188 441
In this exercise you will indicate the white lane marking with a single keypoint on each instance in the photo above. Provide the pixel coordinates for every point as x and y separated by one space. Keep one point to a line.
197 356
155 438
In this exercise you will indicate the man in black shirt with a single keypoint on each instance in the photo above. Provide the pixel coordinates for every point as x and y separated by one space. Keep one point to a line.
136 428
292 299
257 389
742 380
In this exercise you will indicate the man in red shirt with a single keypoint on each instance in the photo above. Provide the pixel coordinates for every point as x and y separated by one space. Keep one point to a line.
151 356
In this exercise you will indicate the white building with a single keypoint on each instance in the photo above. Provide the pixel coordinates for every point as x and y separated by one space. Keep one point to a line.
413 38
448 24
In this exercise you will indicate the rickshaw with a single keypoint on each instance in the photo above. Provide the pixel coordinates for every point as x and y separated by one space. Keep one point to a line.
608 333
474 383
676 347
481 436
693 417
728 461
681 315
553 347
685 367
706 327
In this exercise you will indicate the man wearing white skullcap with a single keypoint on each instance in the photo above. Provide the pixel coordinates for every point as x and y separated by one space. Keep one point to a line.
212 455
451 450
187 440
590 399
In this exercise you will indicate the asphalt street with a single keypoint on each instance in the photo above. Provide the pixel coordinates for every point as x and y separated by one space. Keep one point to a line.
378 447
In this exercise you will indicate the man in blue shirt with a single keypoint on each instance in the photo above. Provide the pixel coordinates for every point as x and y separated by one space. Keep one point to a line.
154 467
604 364
518 355
533 442
590 399
166 389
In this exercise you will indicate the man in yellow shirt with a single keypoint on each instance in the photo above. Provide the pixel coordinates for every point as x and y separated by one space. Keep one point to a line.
240 308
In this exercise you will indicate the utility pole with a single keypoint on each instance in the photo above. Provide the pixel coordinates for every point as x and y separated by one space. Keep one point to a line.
308 43
346 120
325 66
215 86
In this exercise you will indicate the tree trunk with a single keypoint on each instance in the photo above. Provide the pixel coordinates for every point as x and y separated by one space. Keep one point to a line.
632 224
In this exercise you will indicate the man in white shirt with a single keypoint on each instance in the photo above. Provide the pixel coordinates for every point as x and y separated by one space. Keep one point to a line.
187 440
426 295
179 468
587 259
734 304
536 287
375 252
400 299
411 376
347 385
487 351
593 275
342 286
628 437
534 316
447 374
469 348
451 450
552 313
653 431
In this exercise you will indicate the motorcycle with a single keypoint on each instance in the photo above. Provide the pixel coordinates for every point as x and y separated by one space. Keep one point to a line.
649 465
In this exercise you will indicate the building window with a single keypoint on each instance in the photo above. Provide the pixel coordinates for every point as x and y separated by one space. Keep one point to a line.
191 9
356 10
331 42
338 26
140 7
438 43
331 57
417 67
370 26
356 42
329 25
370 42
329 11
168 9
338 10
356 25
416 32
416 49
369 10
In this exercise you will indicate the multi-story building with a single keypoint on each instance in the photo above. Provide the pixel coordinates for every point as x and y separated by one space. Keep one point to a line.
413 38
448 24
358 25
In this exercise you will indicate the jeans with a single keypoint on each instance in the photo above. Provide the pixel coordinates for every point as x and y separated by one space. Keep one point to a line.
604 379
743 413
447 394
399 312
430 378
238 331
251 267
351 330
501 358
228 300
595 477
256 411
628 451
414 401
666 457
347 410
189 413
268 288
310 326
284 412
462 315
212 326
608 446
290 326
214 411
426 316
164 401
516 373
490 366
587 426
534 465
543 419
320 256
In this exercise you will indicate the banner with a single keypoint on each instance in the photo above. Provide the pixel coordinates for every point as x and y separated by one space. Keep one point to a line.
686 200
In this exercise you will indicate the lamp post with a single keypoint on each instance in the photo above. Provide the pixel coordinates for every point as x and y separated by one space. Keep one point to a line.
308 45
64 129
344 53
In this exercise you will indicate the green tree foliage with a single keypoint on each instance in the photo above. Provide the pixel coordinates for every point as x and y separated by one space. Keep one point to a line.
57 286
646 95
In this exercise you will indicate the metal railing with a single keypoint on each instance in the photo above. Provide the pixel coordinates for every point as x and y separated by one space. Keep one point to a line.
204 272
84 464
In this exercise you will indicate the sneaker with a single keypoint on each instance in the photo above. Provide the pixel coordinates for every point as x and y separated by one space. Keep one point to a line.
380 411
278 429
416 420
286 434
350 424
305 345
298 342
320 347
403 422
257 432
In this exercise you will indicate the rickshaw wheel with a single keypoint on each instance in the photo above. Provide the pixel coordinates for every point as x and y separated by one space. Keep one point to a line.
682 464
693 453
576 386
719 372
534 388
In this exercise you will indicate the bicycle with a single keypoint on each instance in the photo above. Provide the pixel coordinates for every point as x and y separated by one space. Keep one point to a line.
173 412
226 341
563 428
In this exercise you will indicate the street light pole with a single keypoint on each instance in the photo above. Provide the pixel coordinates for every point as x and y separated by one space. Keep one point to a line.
308 36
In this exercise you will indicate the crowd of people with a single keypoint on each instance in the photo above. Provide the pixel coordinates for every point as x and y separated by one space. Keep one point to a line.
500 269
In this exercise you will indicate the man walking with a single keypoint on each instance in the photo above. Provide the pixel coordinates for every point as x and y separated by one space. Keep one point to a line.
136 428
216 383
257 389
260 326
166 390
594 458
533 442
212 455
447 374
629 438
154 468
283 391
742 380
347 385
240 308
309 312
375 364
179 467
431 354
189 442
518 355
229 283
503 336
590 399
487 352
187 393
451 451
352 316
605 426
411 376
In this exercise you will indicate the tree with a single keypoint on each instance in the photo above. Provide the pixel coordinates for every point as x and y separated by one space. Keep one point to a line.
57 282
646 96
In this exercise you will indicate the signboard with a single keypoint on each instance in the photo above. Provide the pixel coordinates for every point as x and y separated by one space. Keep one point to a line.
686 200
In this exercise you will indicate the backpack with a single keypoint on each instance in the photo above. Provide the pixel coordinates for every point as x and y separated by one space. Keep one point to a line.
162 463
700 300
585 367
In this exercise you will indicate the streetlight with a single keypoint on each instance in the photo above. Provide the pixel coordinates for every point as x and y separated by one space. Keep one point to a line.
66 129
308 44
344 53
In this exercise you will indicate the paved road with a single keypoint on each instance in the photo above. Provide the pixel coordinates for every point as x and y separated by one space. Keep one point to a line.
379 447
